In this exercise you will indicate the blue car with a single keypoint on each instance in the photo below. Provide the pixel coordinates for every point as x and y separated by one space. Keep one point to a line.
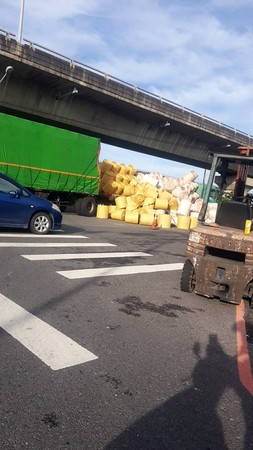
19 208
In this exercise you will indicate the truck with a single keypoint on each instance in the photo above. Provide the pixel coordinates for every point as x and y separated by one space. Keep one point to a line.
55 163
219 255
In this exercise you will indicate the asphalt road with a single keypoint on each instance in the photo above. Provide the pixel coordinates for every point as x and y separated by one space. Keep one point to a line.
110 360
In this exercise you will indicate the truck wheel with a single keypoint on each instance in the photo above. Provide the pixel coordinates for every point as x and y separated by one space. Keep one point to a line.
188 277
77 206
88 207
40 223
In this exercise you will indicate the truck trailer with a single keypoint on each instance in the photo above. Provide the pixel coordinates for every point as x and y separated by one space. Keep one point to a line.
51 162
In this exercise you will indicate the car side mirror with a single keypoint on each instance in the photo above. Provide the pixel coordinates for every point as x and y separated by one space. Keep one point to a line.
15 194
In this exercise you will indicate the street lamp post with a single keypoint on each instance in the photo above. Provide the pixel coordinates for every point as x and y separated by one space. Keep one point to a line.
8 70
21 17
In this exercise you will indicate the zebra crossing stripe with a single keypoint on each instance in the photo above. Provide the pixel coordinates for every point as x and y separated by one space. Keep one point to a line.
48 344
123 270
52 236
62 256
55 244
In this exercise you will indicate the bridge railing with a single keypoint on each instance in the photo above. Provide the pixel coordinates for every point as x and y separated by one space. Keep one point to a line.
193 116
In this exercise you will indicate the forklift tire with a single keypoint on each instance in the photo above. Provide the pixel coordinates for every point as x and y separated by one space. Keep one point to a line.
188 278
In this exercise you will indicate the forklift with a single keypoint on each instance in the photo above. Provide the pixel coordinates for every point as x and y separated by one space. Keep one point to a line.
219 255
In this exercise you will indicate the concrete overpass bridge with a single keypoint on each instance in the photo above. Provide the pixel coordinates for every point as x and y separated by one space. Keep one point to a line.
50 88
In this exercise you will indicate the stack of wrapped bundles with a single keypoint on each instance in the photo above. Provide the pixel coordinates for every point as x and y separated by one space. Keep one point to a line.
139 198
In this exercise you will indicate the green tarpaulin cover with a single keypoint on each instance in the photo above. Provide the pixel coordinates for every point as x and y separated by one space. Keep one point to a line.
44 157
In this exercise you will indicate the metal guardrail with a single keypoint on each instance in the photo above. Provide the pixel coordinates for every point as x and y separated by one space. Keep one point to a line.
73 63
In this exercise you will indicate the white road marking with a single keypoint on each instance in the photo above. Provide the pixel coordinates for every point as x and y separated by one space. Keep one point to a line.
126 270
55 244
48 344
49 257
52 236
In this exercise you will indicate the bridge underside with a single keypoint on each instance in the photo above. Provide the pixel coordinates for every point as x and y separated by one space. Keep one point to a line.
41 88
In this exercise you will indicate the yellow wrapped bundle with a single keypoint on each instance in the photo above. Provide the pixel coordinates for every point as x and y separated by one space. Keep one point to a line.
123 169
164 221
129 190
173 203
132 217
161 203
111 209
131 208
164 194
146 219
115 167
118 214
108 176
121 202
194 222
119 177
138 199
183 222
119 190
133 182
105 166
110 187
131 170
102 212
130 202
149 202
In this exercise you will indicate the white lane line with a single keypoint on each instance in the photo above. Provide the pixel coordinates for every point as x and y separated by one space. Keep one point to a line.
48 344
58 256
55 244
126 270
52 236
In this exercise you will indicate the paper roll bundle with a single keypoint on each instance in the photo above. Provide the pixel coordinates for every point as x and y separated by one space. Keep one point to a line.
183 222
173 203
108 176
129 190
194 222
191 176
133 182
112 208
119 177
105 165
121 202
184 207
132 217
132 170
149 201
110 187
146 219
102 212
138 199
120 188
115 167
153 193
123 169
130 202
161 203
164 221
118 214
164 194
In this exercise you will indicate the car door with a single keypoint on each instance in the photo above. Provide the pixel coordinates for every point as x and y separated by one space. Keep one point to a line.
15 208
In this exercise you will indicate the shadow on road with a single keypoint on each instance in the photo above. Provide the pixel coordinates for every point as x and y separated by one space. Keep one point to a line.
189 420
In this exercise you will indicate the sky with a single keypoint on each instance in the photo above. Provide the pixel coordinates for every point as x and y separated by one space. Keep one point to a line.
196 53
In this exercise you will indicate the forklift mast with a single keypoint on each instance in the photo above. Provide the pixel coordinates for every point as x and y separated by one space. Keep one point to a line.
221 164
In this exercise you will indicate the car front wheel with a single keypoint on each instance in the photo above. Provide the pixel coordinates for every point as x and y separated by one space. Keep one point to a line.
40 223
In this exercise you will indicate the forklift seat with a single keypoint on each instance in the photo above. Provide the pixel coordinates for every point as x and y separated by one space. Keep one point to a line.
233 214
